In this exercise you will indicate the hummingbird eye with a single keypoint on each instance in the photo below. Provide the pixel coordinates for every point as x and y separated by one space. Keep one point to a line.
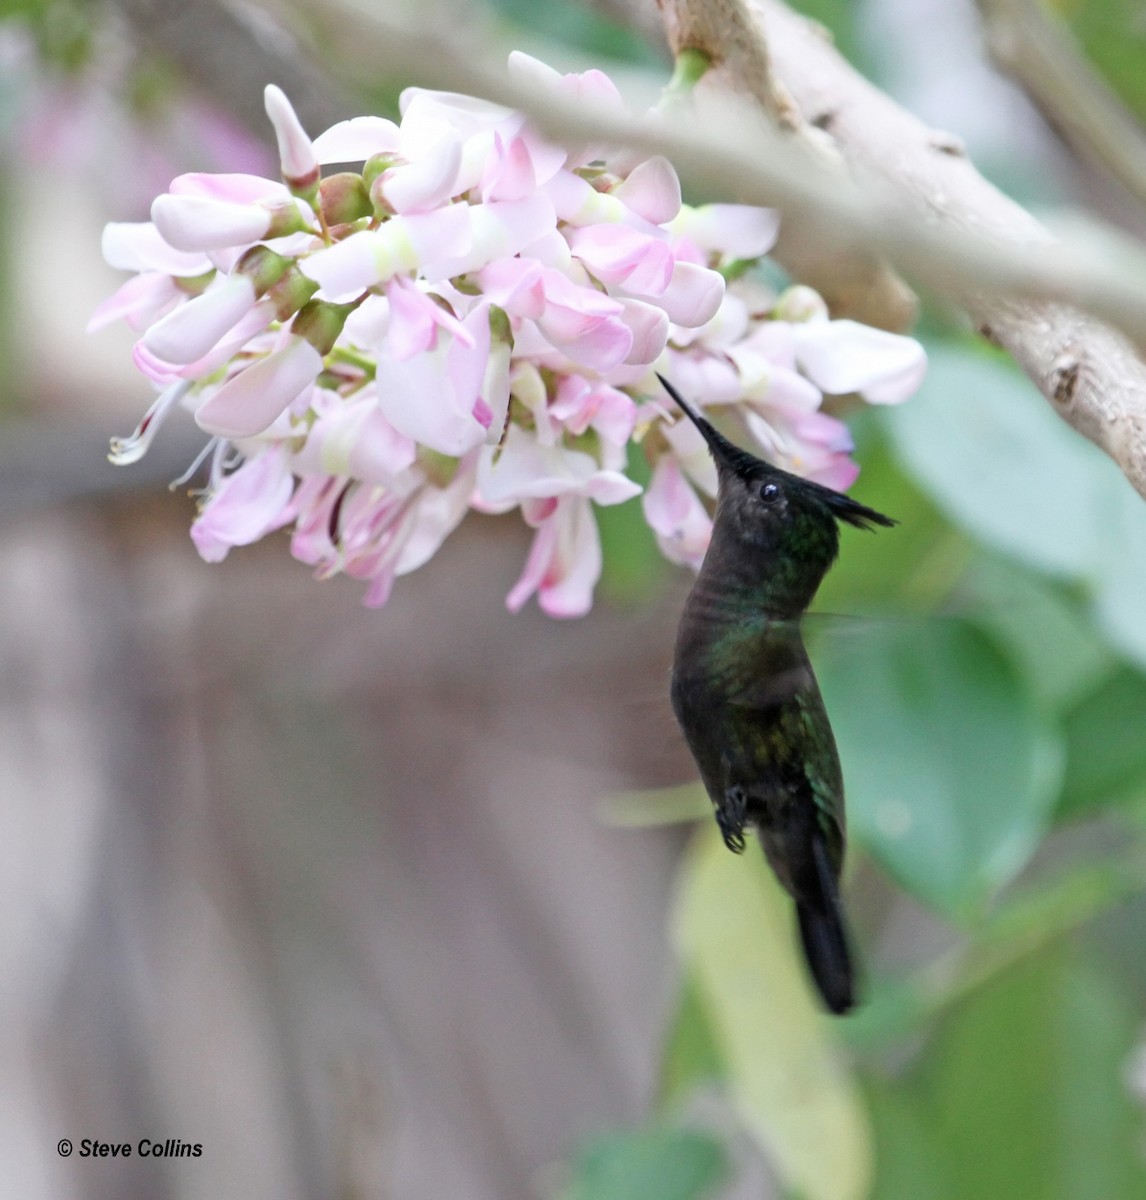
770 493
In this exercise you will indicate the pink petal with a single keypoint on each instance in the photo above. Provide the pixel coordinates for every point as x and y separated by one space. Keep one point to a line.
652 190
564 562
579 405
437 513
427 181
359 261
508 173
370 257
514 284
139 301
249 402
415 319
247 504
583 323
810 444
497 230
469 115
575 566
248 327
202 223
356 440
693 295
649 326
139 246
234 188
598 345
577 202
593 88
155 369
675 514
734 230
191 330
616 254
296 153
430 397
357 140
541 551
526 469
494 393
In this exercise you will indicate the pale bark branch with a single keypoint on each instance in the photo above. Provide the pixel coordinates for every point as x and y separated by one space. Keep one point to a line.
854 280
1086 369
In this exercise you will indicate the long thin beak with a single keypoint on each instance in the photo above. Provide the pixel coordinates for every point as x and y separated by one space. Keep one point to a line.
729 456
726 453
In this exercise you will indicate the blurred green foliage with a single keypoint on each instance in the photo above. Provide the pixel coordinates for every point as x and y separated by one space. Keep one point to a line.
1113 35
671 1164
582 27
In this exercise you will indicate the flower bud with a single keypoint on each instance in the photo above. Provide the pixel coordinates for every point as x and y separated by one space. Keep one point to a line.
263 267
291 292
343 198
320 323
296 153
800 303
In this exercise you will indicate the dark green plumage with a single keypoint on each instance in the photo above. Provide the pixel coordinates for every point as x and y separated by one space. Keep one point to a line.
745 695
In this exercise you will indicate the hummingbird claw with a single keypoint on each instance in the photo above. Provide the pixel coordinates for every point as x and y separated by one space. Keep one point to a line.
731 817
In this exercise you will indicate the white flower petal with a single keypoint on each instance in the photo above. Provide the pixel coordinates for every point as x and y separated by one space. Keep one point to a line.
845 356
249 402
203 223
192 329
139 246
357 140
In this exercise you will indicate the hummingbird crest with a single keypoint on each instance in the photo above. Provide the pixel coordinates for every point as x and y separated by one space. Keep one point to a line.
746 697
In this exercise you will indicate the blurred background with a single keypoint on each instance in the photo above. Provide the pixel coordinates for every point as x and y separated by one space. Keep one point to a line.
412 903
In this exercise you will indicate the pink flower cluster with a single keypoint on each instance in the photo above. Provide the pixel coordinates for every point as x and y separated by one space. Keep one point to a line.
472 320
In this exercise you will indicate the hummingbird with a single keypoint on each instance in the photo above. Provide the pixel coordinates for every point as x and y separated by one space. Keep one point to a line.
746 697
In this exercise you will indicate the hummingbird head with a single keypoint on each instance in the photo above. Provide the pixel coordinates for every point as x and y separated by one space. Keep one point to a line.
773 523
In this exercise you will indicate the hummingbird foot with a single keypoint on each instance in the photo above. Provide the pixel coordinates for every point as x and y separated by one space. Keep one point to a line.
731 817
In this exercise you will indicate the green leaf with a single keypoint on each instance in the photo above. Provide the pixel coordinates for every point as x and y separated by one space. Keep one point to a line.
993 455
1025 1086
632 562
1114 37
951 771
580 27
691 1057
1020 926
650 1164
908 1145
1045 630
734 930
1106 746
981 441
1120 602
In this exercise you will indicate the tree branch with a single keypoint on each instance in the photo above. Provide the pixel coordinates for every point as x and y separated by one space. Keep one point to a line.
1030 46
854 280
919 201
1089 373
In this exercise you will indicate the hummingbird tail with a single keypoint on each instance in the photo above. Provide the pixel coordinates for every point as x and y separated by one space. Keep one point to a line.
824 935
826 949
